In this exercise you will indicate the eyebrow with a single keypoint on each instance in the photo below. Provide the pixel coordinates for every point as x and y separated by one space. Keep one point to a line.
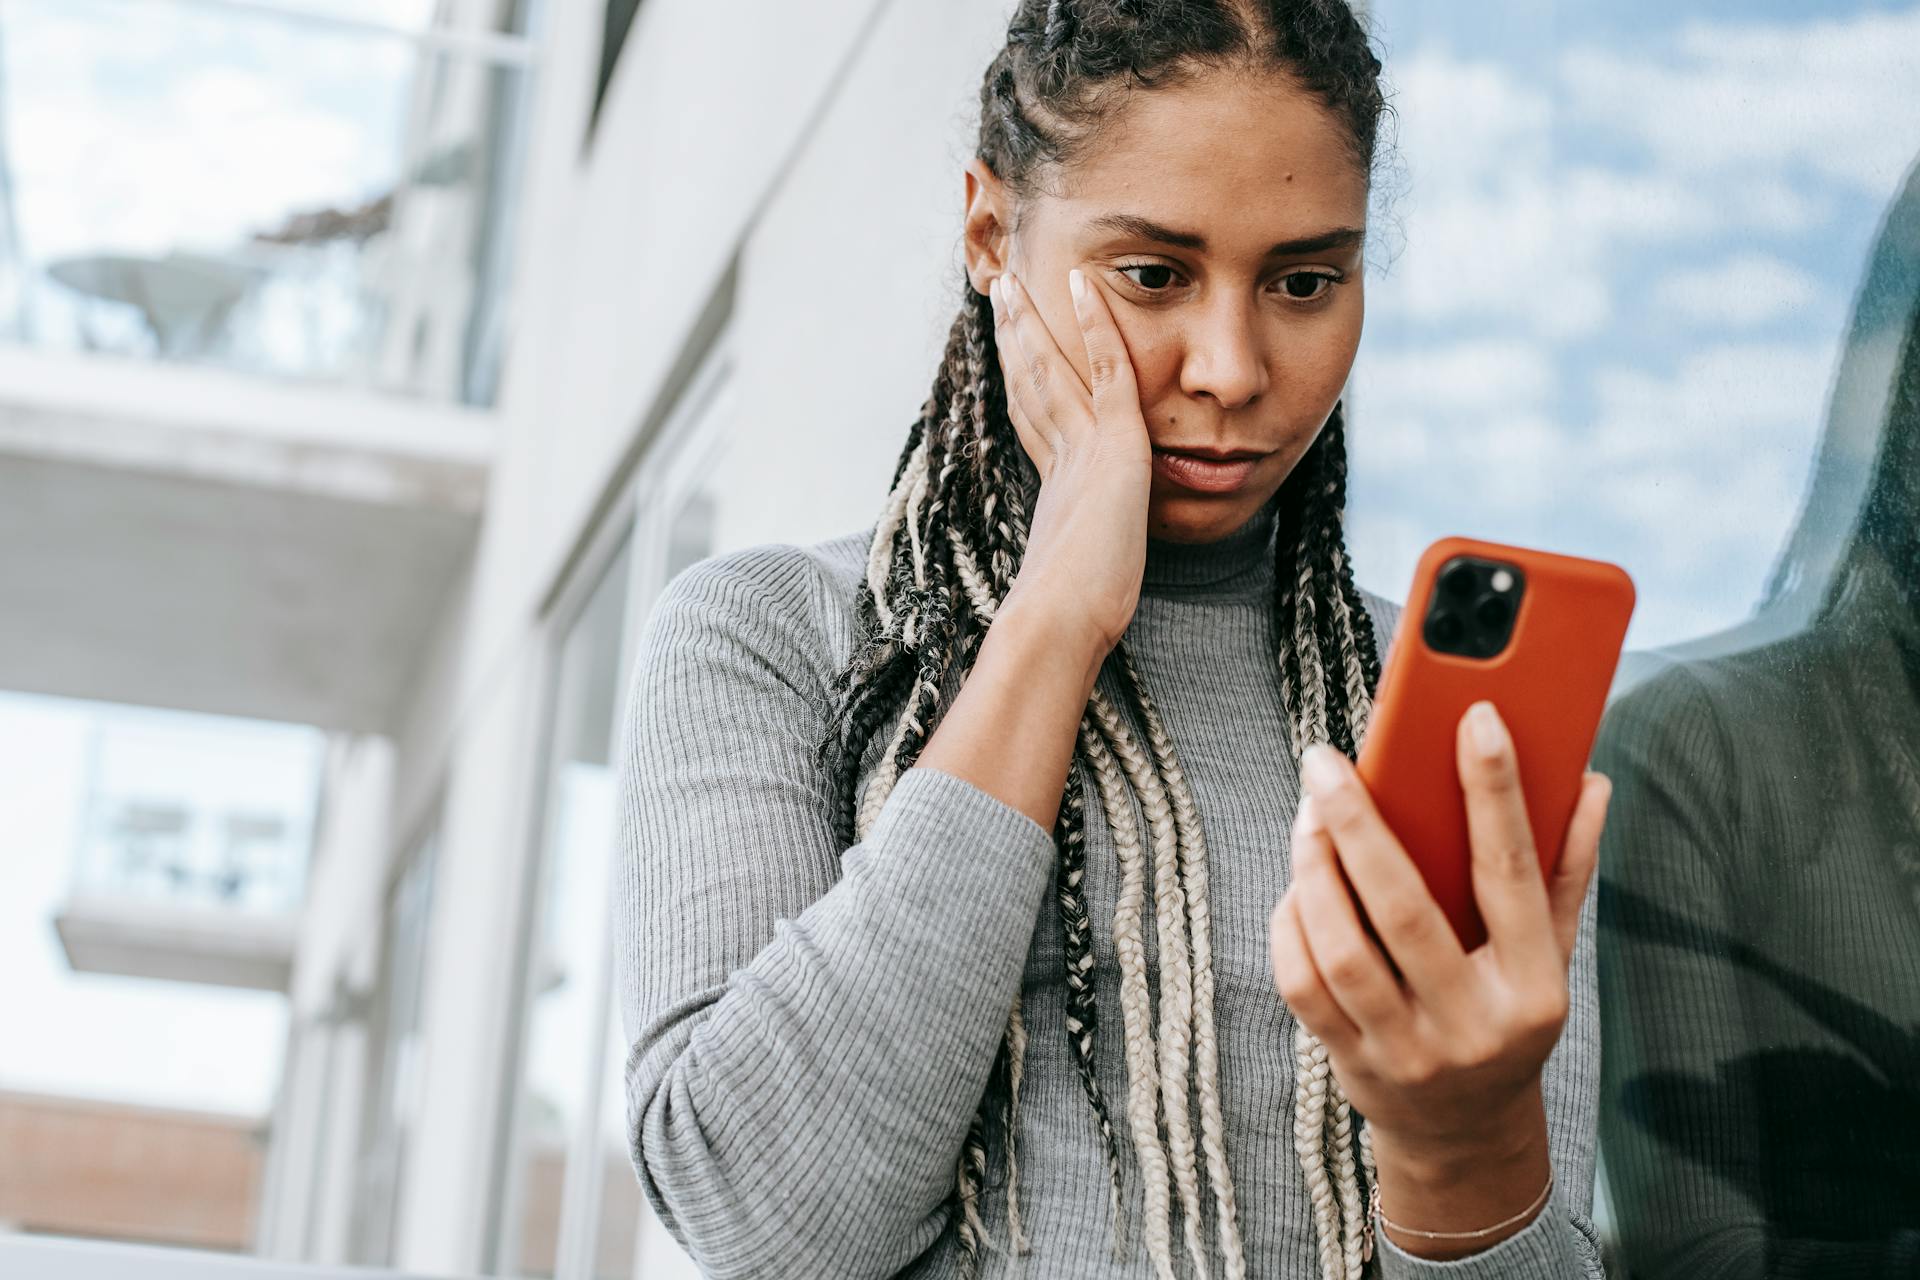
1147 229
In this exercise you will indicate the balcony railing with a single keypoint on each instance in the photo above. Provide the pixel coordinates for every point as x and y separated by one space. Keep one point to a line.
193 850
256 186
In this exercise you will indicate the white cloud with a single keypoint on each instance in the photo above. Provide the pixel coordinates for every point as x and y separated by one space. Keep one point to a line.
1607 207
1835 96
1751 397
1505 220
1482 228
1554 207
1690 477
1476 375
1745 290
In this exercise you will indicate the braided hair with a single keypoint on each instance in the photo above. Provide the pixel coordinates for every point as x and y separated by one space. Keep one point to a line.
948 542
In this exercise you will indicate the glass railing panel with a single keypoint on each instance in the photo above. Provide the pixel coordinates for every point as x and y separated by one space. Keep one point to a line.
296 195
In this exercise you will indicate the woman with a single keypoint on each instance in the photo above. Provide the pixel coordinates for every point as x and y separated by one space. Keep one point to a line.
860 1045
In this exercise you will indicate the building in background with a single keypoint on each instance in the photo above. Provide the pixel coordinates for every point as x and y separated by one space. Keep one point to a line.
396 417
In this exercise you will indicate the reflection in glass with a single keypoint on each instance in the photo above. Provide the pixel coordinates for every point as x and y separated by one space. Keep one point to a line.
1760 889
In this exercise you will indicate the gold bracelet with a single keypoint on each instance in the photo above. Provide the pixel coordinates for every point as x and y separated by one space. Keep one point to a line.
1545 1194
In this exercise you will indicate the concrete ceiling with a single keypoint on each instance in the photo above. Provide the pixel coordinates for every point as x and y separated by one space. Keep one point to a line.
133 584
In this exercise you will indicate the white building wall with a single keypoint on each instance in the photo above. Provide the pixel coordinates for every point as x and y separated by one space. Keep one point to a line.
850 281
818 145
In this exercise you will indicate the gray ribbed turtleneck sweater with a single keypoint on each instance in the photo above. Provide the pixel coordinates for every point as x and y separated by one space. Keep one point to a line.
810 1028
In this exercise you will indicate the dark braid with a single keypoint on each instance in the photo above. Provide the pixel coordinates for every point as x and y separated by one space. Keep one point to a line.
1076 935
954 533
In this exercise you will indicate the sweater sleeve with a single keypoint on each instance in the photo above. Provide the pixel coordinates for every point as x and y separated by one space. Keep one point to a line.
810 1029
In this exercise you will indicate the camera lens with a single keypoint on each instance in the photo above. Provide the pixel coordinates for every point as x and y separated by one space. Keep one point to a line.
1459 580
1493 612
1446 628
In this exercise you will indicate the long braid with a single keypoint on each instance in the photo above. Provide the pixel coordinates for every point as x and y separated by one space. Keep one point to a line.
1076 929
1330 663
1128 945
1206 1049
1360 668
949 541
1175 1031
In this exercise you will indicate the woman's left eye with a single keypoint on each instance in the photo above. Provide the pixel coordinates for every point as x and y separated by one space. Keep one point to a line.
1305 286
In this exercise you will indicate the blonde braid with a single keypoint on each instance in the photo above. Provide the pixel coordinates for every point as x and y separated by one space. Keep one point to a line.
1142 1074
1193 850
1310 1072
1175 1027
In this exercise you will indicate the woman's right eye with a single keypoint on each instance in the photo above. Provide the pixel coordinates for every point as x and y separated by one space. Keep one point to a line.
1150 266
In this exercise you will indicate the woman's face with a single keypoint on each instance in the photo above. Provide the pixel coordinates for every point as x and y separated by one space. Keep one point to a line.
1222 220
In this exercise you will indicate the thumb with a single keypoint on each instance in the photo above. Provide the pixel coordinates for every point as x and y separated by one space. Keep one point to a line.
1109 369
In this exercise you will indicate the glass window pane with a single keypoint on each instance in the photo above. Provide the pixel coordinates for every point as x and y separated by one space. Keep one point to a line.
397 1045
340 224
624 1211
621 1202
1649 290
561 1039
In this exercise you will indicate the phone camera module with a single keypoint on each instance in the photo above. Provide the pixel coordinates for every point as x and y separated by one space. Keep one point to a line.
1474 605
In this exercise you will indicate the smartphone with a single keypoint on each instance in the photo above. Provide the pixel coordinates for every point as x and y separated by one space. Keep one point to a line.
1536 634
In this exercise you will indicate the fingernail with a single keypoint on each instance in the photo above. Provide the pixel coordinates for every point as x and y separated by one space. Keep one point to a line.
993 294
1318 769
1077 283
1484 723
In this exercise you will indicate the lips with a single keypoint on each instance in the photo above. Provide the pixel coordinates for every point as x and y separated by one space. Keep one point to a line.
1232 455
1200 474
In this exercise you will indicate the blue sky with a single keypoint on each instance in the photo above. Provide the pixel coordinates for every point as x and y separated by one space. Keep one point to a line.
1614 259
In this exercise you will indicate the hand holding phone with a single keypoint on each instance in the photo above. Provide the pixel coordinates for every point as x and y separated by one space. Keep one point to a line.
1536 634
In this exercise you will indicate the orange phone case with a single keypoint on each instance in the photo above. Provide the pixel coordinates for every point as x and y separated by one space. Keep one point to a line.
1549 684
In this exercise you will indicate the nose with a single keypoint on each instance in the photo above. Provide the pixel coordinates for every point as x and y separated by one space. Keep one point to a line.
1223 354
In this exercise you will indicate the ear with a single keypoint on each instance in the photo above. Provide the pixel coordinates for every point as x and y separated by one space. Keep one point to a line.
984 224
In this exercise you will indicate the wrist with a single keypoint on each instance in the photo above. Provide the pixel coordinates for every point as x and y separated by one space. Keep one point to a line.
1506 1132
1474 1189
1041 629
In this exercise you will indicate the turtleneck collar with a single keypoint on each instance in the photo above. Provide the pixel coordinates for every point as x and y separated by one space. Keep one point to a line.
1239 564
